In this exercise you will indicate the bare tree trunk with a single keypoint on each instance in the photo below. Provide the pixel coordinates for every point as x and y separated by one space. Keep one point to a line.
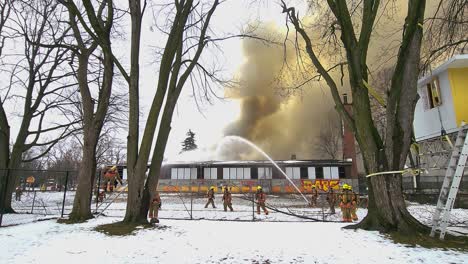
156 161
136 175
93 117
387 208
81 206
4 139
136 13
35 26
92 126
4 159
13 179
136 209
136 183
15 160
170 82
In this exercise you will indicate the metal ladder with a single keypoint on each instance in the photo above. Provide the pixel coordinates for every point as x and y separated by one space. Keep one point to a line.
110 199
453 176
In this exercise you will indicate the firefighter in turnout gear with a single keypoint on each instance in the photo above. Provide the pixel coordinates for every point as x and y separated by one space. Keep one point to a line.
227 199
154 208
260 196
112 177
101 195
313 200
354 204
18 193
211 197
331 199
346 203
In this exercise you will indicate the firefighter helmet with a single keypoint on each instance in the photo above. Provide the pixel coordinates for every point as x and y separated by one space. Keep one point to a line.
259 187
212 188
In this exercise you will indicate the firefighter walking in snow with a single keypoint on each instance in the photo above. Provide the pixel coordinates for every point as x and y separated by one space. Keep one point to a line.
154 208
18 193
331 199
211 196
354 204
260 196
101 195
346 203
313 201
112 177
227 199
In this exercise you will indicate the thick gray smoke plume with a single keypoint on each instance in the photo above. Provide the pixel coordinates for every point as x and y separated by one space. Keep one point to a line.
284 126
281 126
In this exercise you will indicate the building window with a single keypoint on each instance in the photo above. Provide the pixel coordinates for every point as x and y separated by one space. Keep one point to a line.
236 173
247 173
335 174
311 172
225 173
293 172
304 174
265 173
319 172
240 173
330 173
210 173
433 94
232 173
326 173
183 173
255 173
341 172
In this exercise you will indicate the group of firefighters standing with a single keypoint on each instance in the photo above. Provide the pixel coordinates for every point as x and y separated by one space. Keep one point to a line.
260 198
347 198
348 201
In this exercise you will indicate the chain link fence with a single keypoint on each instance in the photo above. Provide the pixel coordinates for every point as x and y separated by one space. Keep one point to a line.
426 190
281 207
41 195
31 195
193 206
191 203
430 183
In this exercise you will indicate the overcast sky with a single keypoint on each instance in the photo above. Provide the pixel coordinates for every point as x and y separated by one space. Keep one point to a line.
229 18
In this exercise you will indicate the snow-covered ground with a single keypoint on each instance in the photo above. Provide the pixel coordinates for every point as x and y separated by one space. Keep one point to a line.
205 241
185 206
191 206
45 203
276 238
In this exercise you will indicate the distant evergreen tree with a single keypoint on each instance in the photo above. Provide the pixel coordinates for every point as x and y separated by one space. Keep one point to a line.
189 143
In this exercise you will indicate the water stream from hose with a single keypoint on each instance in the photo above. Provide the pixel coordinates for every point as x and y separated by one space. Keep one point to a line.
257 148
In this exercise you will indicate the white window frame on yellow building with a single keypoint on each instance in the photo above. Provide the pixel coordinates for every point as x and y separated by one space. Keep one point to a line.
434 98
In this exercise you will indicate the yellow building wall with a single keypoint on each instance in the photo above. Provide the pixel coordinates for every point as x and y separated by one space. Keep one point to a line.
459 84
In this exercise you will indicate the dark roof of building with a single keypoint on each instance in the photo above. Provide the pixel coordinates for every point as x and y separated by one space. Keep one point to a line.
257 162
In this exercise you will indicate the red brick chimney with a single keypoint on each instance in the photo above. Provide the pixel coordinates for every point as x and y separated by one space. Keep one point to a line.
349 147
